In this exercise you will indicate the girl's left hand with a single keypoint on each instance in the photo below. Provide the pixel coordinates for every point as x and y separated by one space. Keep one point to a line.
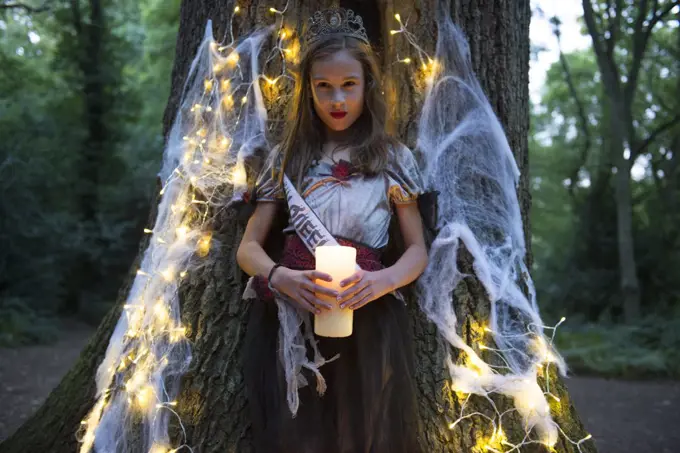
366 286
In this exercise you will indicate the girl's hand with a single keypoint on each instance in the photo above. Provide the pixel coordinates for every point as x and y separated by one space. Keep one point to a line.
300 287
365 287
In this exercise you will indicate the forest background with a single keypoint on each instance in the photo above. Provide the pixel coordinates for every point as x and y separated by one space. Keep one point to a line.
82 95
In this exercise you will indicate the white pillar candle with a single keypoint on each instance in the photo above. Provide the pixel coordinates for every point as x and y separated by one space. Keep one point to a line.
339 262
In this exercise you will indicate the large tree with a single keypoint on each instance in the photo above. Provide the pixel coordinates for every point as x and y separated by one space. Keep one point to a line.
212 403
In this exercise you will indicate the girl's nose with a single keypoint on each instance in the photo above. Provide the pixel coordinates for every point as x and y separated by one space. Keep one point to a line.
338 97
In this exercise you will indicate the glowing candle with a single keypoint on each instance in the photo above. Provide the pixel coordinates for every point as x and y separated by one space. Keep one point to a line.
339 262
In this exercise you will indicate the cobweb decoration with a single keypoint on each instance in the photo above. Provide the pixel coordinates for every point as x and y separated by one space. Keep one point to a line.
219 125
219 128
468 160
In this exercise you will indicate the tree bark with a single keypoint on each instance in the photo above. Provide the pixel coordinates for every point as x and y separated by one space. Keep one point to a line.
212 404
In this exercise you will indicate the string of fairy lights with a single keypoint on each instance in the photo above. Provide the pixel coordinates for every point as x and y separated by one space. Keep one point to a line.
152 332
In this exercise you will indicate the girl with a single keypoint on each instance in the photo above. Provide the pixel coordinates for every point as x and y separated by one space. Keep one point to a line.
356 178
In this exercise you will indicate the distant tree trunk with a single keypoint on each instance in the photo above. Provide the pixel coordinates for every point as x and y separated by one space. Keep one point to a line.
90 35
212 403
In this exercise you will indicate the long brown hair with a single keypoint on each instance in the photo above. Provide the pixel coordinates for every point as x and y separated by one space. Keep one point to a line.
304 137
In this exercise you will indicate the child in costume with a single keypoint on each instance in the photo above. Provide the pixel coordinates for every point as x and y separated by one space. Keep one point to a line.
356 178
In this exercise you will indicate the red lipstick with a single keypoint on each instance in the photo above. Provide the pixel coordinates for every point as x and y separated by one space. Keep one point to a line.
338 115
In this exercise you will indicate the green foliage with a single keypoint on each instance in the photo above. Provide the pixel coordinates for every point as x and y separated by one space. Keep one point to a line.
44 127
20 325
573 188
650 348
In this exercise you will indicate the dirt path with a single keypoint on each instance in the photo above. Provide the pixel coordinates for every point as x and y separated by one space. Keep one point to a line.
623 417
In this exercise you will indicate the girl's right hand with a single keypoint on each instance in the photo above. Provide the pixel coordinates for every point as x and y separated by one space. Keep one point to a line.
300 286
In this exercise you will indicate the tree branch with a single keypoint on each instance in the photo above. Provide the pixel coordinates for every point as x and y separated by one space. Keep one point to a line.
605 61
614 27
655 133
583 119
28 8
640 39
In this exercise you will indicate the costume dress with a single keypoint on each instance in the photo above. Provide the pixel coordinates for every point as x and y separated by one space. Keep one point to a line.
369 405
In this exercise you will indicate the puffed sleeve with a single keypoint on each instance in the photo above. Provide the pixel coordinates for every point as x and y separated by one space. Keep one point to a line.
405 182
266 186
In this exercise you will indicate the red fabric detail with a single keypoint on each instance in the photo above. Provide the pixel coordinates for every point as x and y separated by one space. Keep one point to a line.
296 256
342 170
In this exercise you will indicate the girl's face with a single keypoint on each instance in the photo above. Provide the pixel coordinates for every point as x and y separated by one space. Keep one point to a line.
338 89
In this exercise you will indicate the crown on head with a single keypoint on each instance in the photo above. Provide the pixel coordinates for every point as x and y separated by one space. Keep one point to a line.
335 20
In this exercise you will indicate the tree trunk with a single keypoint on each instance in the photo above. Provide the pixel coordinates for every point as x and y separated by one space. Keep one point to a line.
90 34
212 404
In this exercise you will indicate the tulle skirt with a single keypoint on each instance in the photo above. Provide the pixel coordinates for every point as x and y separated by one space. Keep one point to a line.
369 405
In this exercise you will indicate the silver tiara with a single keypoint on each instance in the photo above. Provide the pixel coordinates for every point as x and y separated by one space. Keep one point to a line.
335 20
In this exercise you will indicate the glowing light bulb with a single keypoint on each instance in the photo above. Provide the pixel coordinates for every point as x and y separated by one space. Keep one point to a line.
168 274
224 142
148 231
208 84
144 396
228 102
239 176
203 246
233 58
394 32
398 17
182 232
237 9
244 99
406 60
225 84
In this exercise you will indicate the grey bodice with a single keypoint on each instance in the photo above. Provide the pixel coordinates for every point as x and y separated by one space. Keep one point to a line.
353 205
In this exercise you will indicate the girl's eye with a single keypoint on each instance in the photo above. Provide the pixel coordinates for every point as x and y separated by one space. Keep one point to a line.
350 83
322 85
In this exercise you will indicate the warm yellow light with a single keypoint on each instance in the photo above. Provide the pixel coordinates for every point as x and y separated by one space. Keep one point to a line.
202 132
292 53
394 32
182 232
178 334
406 60
168 274
144 396
160 311
239 176
398 17
233 58
203 246
244 99
237 9
148 231
273 10
194 108
225 84
224 142
283 34
208 84
183 274
228 102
